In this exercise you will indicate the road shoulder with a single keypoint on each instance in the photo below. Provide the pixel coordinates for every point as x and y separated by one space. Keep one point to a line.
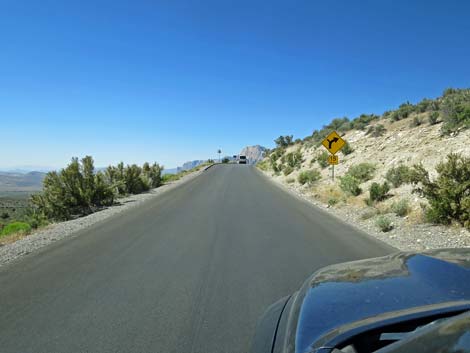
405 238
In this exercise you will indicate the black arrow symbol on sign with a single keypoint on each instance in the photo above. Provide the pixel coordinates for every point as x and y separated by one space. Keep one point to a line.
335 139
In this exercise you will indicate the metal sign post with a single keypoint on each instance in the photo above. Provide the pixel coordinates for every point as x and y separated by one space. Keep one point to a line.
333 143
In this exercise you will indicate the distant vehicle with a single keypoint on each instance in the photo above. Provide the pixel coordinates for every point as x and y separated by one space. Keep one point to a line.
405 302
242 160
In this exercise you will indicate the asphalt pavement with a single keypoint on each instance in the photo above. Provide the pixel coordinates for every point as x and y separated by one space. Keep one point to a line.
188 271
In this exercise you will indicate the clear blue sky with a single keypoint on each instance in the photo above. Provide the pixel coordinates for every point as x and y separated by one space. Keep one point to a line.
175 80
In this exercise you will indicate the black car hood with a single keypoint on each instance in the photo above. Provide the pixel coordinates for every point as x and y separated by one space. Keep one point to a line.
342 294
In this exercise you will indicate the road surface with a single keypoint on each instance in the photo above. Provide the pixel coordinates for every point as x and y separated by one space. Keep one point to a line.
189 271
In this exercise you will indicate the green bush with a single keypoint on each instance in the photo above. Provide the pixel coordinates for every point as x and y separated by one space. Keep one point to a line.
449 194
433 118
4 215
350 185
384 224
400 208
263 165
455 109
416 122
309 177
362 171
378 192
16 227
290 180
398 175
79 190
293 159
402 112
322 159
376 131
332 201
361 122
225 160
284 141
287 170
424 105
75 190
347 149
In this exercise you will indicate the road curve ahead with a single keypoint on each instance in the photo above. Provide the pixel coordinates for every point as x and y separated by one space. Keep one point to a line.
189 271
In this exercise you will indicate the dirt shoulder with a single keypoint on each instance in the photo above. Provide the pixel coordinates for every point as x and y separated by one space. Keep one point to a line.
405 234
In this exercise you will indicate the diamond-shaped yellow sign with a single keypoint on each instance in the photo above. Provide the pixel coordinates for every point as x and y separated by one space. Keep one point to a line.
333 142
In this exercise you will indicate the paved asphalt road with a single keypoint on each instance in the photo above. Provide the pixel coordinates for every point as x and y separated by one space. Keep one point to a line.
189 271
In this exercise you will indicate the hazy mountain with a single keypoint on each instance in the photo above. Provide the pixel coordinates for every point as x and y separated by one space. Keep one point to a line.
14 181
254 154
190 165
169 171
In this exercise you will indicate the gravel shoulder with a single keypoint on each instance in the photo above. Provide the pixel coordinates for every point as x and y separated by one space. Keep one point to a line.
403 236
58 231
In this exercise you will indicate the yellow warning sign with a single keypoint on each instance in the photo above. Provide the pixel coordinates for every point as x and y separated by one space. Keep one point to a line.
333 142
332 159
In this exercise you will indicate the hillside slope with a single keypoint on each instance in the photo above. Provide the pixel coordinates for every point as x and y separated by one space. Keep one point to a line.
401 143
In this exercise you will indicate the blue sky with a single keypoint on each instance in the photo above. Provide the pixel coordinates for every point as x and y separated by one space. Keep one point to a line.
171 81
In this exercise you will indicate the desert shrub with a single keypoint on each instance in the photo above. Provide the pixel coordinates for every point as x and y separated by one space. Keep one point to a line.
350 185
376 131
133 179
368 213
4 215
362 171
433 118
398 175
152 174
309 177
424 105
166 178
416 122
455 108
16 227
276 167
347 149
403 111
284 141
287 170
290 180
339 124
332 201
276 155
293 159
378 192
34 217
78 189
263 165
400 208
75 190
384 224
449 194
322 159
361 122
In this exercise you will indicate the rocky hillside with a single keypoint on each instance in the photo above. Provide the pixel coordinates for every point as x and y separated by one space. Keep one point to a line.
254 154
378 144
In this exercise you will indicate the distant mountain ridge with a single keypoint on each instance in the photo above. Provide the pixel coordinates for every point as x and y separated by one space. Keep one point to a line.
254 154
29 182
190 165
